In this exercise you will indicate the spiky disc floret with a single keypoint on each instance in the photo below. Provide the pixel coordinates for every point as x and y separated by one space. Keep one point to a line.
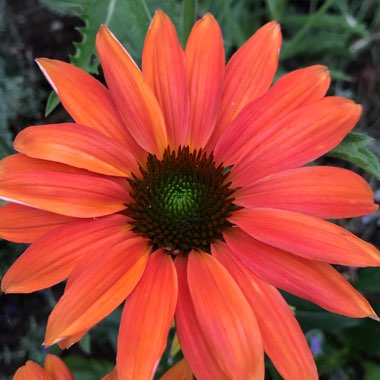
181 202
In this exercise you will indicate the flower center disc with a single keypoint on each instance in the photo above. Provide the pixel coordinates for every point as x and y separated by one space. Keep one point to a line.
181 202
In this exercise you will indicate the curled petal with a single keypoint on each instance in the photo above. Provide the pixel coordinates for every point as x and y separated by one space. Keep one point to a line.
30 371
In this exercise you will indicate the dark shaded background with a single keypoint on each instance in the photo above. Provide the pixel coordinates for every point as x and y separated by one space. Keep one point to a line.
346 38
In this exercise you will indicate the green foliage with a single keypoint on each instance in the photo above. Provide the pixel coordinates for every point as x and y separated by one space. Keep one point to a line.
354 149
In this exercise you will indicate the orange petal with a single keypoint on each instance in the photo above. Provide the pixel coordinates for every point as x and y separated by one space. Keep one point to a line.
56 368
249 73
325 192
50 259
78 195
297 139
98 286
296 89
180 371
164 68
29 371
18 161
306 236
87 101
315 281
203 359
76 145
205 60
225 317
23 224
65 344
146 319
282 336
132 95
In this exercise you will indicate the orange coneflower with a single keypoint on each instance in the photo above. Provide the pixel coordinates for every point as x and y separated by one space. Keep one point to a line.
54 369
178 189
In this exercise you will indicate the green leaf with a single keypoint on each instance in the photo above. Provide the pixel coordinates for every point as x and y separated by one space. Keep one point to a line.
88 369
85 344
368 280
354 149
52 103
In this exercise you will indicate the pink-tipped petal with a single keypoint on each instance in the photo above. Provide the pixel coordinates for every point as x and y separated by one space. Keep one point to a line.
132 95
315 281
249 73
283 339
205 60
51 258
87 101
290 92
306 236
164 68
322 191
146 319
23 224
97 288
77 145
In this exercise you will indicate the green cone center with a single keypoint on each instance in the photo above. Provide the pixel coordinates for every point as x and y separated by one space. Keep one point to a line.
181 202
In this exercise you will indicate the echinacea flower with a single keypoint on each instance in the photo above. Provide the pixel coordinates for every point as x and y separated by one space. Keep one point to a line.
179 188
54 369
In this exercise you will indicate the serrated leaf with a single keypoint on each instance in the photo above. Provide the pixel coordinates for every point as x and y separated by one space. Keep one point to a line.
354 149
128 20
52 103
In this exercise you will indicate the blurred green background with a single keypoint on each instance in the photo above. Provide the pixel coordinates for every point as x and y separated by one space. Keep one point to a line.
341 34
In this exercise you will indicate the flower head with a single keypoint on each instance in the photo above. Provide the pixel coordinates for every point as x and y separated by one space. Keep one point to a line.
180 189
54 368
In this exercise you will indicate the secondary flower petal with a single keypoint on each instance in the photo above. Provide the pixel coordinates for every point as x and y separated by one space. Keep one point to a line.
197 349
132 95
51 258
30 371
180 370
277 324
249 73
109 276
70 194
225 317
164 68
297 139
205 60
146 319
325 192
87 101
56 368
76 145
315 281
306 236
23 224
290 92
